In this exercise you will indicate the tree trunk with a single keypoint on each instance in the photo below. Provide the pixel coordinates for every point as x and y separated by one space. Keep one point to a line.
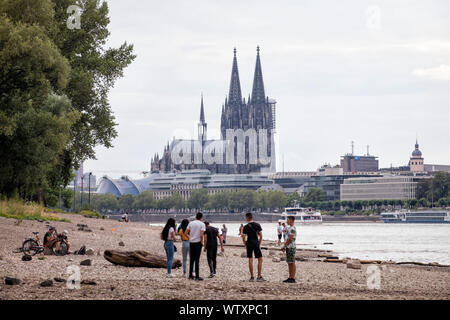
138 259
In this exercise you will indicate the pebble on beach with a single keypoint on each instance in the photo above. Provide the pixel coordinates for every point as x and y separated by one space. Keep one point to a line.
315 279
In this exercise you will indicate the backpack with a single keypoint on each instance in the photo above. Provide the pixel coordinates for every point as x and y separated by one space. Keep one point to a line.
82 251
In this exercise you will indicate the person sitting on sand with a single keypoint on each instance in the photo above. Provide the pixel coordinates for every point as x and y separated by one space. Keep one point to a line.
289 247
210 240
252 238
168 235
50 237
185 241
125 217
195 230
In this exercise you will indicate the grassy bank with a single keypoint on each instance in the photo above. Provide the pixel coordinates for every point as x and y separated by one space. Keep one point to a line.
16 209
85 212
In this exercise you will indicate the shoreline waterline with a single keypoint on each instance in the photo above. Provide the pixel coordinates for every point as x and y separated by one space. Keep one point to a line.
424 243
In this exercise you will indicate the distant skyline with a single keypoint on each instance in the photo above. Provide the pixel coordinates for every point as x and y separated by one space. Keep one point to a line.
374 72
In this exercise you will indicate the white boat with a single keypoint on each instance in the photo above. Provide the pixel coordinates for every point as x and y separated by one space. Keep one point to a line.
427 216
302 215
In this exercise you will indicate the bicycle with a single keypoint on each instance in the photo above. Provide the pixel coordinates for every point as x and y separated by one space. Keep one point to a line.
33 246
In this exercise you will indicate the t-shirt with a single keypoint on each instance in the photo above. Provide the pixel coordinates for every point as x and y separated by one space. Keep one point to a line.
252 230
280 229
291 231
181 233
47 236
195 227
211 236
169 235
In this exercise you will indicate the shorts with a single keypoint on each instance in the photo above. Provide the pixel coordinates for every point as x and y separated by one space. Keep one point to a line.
279 237
253 247
290 255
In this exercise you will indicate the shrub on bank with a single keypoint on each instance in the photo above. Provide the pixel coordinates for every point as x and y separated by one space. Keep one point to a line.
90 214
19 210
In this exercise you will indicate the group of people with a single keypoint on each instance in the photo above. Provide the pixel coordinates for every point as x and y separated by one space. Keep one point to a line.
281 232
197 234
52 238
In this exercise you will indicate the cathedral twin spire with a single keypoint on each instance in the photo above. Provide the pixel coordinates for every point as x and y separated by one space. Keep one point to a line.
253 113
258 94
234 95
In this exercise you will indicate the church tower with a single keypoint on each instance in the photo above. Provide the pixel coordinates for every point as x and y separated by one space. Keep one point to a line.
416 162
202 126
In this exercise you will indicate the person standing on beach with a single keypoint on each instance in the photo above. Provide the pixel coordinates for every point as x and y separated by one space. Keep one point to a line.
252 238
210 240
195 230
224 233
241 228
168 235
279 232
185 245
289 247
284 232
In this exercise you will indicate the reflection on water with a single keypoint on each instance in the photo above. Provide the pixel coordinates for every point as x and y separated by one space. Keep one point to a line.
398 242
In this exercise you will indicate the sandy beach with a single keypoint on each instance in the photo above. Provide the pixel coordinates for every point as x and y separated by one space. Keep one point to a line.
315 279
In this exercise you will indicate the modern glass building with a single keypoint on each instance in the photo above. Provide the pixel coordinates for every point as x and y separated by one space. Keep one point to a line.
184 182
329 184
379 188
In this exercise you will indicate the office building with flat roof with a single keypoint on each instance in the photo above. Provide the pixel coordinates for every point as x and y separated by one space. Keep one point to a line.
379 188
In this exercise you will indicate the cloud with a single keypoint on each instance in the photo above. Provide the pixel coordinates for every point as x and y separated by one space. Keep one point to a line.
438 73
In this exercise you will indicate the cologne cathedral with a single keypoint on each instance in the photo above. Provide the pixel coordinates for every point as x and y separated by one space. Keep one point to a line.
257 112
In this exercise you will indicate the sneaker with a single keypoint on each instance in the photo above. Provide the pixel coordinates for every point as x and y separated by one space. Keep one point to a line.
171 275
260 279
287 280
211 275
191 278
199 279
251 279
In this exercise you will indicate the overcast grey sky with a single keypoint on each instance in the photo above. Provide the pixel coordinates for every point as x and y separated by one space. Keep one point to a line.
376 72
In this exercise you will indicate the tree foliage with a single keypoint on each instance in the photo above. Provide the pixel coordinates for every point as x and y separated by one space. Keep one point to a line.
54 83
314 194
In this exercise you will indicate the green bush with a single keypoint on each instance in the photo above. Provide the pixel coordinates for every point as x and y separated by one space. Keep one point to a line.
15 209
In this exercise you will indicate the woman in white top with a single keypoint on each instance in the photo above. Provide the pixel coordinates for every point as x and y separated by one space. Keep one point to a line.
168 235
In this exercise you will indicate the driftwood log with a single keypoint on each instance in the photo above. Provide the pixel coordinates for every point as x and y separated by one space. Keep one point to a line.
432 264
138 259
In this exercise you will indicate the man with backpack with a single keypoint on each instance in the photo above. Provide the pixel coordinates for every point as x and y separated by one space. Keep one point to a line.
252 238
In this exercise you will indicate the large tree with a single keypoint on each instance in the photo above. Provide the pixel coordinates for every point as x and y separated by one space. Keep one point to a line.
54 83
94 70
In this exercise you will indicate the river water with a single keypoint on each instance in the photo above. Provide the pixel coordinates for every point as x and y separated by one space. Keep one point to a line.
379 241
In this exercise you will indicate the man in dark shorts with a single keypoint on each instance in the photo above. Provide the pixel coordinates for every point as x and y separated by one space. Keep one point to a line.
252 237
210 239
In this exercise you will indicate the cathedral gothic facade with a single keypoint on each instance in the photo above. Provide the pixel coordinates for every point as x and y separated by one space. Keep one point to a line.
240 116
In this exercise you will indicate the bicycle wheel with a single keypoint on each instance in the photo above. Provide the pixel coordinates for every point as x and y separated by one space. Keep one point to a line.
63 249
30 247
